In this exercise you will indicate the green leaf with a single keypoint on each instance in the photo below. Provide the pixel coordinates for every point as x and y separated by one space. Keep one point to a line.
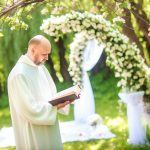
125 5
1 34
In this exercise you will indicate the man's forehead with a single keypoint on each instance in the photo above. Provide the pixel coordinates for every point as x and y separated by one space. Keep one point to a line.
45 48
45 52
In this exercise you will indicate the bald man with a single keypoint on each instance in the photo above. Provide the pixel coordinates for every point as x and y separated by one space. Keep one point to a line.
30 87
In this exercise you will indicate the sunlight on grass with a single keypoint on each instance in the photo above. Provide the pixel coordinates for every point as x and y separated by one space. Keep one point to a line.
118 123
98 145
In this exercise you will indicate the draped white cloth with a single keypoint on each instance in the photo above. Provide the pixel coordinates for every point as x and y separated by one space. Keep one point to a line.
70 131
7 137
78 130
75 131
85 106
137 131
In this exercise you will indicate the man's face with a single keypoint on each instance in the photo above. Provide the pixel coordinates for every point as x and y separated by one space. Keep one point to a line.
41 54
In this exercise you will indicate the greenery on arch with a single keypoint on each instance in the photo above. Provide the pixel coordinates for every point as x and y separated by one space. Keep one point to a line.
122 56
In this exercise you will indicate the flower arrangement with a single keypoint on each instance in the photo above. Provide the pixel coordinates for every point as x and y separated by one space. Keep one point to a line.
122 56
94 120
127 65
76 57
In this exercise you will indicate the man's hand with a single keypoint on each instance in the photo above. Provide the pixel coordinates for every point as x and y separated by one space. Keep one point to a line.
61 105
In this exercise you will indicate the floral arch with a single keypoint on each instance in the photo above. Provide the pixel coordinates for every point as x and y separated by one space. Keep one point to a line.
122 56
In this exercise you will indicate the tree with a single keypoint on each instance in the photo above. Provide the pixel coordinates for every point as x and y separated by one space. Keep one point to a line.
53 72
17 15
10 7
135 14
63 62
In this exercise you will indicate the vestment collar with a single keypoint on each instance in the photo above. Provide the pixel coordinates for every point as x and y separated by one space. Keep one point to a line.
25 59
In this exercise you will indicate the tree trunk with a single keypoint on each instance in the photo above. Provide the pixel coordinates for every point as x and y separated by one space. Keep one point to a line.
52 70
142 20
129 32
63 62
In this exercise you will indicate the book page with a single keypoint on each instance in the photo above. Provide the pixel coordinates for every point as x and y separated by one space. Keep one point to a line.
70 91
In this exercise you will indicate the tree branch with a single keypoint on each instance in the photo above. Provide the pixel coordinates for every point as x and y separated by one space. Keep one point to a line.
18 4
141 19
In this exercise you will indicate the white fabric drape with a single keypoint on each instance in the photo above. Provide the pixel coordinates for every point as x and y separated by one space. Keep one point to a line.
85 106
79 129
137 131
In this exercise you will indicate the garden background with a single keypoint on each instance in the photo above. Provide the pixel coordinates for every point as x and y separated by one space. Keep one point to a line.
21 19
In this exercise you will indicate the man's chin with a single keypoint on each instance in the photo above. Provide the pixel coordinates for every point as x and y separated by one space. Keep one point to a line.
42 63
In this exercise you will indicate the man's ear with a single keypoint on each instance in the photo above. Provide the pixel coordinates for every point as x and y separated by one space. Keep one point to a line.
33 50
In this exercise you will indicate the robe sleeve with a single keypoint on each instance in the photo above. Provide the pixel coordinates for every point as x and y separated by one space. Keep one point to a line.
27 106
66 109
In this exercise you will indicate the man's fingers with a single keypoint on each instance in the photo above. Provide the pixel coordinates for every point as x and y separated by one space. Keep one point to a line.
61 105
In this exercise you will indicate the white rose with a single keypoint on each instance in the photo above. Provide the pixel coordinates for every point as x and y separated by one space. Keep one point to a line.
135 77
119 84
117 74
129 66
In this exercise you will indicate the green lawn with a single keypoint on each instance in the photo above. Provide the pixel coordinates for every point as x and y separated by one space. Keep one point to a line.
107 106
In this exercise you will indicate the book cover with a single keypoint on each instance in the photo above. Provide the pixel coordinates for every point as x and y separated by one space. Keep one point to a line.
70 94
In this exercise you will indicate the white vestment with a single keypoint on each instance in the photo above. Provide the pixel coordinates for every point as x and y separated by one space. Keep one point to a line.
34 120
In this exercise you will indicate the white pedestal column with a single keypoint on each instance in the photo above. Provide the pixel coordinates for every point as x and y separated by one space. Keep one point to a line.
137 131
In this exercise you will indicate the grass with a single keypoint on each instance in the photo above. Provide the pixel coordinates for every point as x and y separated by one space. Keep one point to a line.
107 106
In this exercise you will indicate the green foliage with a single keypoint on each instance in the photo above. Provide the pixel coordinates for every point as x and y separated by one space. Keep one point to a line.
2 78
14 45
5 117
1 34
4 101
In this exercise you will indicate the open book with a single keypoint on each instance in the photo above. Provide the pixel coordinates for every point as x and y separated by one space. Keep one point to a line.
69 94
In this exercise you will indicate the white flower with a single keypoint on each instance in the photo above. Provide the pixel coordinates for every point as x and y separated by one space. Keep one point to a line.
119 84
129 66
94 120
119 19
117 74
135 77
123 82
